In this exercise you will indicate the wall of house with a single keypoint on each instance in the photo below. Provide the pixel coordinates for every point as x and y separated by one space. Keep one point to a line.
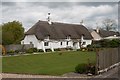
53 44
87 42
30 39
95 36
57 44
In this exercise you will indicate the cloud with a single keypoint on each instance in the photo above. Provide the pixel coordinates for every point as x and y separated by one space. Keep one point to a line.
60 0
68 12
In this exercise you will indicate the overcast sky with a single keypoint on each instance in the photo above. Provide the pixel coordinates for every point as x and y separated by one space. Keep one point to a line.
67 12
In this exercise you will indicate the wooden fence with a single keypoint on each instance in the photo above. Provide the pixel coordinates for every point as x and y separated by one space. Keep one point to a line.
107 58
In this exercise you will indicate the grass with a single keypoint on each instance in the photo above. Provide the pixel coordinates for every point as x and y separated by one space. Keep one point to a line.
47 64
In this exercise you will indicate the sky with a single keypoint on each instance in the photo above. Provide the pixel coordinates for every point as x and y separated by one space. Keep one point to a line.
73 12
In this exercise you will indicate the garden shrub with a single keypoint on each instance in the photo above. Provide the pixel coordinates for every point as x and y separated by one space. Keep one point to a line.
69 48
48 50
91 68
30 50
57 49
85 68
40 50
16 51
81 68
78 50
34 49
106 43
11 52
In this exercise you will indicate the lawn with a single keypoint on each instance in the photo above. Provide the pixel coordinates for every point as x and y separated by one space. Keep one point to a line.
47 64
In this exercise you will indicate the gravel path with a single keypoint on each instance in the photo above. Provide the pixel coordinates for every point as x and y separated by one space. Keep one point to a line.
69 75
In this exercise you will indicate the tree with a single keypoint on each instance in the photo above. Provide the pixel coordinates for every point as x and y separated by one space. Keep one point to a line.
109 24
12 32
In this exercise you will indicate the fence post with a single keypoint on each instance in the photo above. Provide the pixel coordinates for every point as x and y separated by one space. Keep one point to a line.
97 61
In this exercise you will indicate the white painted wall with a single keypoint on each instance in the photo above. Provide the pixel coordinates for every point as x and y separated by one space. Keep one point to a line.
87 42
30 38
53 44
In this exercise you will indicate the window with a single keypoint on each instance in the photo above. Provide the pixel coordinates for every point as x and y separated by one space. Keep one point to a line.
67 42
46 43
31 43
83 43
61 43
68 37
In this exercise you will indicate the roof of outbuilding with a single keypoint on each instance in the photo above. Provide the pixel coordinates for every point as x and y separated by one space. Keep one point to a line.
58 30
104 33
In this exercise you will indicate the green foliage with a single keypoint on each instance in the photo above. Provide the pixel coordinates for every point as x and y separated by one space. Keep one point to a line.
81 68
11 52
85 68
29 50
57 49
12 32
48 50
40 50
91 68
16 51
34 49
110 43
106 43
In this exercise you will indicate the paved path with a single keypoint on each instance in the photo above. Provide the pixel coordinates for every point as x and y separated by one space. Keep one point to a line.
7 75
114 73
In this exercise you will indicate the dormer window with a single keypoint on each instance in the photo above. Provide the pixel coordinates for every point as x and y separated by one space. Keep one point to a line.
82 37
68 37
47 37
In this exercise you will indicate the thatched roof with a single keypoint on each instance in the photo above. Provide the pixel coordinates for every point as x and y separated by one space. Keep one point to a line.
58 30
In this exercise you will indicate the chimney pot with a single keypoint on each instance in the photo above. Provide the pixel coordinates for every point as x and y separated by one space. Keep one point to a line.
49 19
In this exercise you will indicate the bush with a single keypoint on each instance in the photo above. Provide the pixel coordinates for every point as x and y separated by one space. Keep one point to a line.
11 52
30 50
91 68
57 49
40 50
48 50
85 68
78 50
69 48
34 49
16 51
106 43
81 68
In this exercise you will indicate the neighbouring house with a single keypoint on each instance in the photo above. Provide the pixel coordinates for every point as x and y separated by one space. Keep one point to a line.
53 35
100 34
